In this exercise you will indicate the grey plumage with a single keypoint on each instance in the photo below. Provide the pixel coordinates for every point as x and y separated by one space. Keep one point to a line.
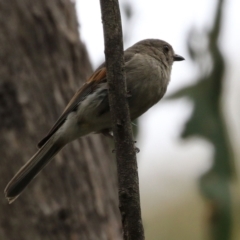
148 65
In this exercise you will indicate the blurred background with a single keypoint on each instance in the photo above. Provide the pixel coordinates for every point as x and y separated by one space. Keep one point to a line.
188 160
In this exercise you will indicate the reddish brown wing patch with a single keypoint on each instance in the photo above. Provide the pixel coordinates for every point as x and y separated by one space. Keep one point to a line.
98 76
79 96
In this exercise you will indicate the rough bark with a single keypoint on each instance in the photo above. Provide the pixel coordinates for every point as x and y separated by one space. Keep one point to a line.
42 64
129 199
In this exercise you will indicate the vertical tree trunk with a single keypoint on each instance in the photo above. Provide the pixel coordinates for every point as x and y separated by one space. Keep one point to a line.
42 64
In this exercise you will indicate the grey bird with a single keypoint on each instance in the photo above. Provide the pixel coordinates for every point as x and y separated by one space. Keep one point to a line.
148 65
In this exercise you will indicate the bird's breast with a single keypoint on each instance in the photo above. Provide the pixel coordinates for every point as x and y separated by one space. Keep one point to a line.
147 81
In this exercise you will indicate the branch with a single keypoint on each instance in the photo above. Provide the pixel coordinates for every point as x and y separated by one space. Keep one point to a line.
129 199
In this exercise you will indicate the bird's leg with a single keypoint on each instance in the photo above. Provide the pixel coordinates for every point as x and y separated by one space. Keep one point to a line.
108 133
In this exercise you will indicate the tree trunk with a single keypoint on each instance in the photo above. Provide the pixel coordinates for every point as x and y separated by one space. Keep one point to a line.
43 63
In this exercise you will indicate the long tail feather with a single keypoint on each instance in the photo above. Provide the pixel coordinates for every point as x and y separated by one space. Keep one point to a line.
30 170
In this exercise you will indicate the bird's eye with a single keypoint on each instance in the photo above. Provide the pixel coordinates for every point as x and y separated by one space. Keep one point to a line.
166 48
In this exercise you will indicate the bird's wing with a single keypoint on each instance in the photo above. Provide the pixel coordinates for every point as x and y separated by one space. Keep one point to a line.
98 76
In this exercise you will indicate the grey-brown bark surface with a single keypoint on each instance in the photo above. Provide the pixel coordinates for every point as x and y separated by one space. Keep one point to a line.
129 199
42 64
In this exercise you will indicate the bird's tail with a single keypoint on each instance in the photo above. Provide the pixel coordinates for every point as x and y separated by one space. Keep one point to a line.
30 170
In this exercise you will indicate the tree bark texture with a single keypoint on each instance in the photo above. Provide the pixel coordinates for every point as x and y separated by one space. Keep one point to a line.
129 197
43 63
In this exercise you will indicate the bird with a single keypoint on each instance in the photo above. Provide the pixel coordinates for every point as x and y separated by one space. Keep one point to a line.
148 65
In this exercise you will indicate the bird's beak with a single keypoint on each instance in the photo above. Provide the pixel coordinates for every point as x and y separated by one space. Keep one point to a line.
178 58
